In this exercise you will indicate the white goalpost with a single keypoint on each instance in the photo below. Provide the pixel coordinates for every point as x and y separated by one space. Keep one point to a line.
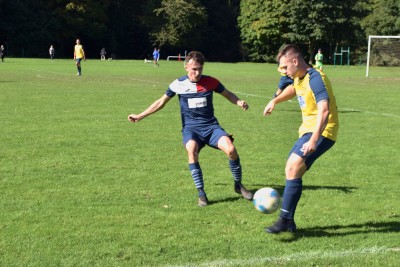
385 52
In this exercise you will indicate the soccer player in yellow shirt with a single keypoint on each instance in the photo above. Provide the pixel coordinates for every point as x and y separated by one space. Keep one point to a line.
317 133
79 54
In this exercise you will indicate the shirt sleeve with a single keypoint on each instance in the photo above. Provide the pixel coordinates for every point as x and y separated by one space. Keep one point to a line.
170 93
284 82
318 86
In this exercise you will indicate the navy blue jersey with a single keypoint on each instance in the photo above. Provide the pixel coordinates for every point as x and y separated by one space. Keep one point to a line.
284 82
196 100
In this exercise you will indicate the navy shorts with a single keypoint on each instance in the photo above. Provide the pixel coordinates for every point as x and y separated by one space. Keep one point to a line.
209 135
78 60
323 145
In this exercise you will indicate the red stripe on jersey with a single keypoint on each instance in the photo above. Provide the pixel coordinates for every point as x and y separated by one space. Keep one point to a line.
207 83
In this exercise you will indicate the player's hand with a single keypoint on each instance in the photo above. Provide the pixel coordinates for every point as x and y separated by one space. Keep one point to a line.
243 104
134 118
269 108
308 148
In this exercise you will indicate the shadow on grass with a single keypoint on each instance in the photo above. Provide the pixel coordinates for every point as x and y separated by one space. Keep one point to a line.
228 199
344 189
341 230
280 188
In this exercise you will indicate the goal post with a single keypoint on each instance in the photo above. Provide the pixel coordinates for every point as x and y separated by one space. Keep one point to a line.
389 53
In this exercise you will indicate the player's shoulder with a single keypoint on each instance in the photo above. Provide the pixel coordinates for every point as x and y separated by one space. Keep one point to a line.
286 79
315 73
179 81
182 78
210 81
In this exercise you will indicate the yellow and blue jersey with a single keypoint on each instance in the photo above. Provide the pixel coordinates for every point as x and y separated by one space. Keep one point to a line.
79 51
312 88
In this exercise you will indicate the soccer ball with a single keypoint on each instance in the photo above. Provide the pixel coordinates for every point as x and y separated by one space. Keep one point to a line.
266 200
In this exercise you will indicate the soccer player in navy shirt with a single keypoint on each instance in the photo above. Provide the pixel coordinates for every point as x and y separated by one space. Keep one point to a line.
199 125
284 82
156 57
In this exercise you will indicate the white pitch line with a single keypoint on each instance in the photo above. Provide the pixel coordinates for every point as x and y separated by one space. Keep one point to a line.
348 109
236 92
312 255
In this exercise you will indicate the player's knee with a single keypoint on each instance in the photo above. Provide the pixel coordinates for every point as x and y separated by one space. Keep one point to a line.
295 169
230 150
192 150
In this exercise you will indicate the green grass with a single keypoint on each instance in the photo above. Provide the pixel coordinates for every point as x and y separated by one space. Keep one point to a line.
81 186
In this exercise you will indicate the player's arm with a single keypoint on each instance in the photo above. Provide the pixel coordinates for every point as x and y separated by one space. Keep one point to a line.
286 94
322 98
322 121
156 106
83 54
234 99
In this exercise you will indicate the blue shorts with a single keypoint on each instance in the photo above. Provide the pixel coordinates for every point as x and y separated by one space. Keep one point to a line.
78 60
323 145
209 135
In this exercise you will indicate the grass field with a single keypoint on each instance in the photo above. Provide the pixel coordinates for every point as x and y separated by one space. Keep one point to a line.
81 186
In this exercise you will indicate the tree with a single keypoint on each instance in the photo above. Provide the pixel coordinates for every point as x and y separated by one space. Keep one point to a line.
222 41
268 24
21 23
383 19
185 21
262 24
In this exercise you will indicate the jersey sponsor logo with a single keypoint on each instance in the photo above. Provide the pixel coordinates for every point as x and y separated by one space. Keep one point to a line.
302 102
199 102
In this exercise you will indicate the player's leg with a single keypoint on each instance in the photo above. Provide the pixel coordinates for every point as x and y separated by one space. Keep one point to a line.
226 145
78 66
296 166
193 145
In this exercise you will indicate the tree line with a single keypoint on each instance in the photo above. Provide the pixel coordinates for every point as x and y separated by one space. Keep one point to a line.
224 30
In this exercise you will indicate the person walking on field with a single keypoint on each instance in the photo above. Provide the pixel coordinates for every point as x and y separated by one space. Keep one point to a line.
319 58
199 125
51 52
317 133
2 53
156 57
79 54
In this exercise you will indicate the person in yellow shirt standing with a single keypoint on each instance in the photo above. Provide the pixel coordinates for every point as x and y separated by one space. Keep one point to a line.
317 133
79 54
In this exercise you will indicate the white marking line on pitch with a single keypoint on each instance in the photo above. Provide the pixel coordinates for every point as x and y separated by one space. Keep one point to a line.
347 109
104 76
295 257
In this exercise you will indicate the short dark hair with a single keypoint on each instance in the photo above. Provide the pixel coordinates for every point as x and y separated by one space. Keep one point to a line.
289 49
195 56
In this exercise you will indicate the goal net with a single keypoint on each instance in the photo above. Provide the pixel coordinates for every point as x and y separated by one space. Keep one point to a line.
383 51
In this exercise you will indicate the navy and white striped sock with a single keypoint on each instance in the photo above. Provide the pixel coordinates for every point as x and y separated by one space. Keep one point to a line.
236 170
197 176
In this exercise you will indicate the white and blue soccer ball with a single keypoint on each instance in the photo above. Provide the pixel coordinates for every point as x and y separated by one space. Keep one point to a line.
266 200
